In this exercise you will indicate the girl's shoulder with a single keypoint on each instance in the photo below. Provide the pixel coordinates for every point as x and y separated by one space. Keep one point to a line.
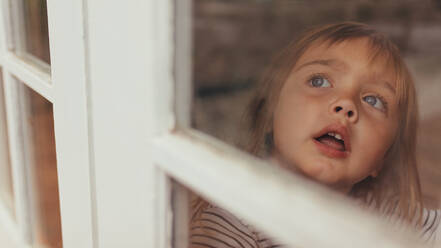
212 226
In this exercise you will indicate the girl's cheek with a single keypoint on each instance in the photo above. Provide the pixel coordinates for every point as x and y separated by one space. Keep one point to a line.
293 92
297 82
383 132
308 92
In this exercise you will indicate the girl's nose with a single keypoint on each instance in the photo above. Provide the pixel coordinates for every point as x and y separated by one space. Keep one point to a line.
346 108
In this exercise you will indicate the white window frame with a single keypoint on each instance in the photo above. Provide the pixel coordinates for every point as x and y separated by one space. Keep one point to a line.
120 85
65 87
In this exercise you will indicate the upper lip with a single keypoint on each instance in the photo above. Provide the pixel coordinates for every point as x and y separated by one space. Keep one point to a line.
340 129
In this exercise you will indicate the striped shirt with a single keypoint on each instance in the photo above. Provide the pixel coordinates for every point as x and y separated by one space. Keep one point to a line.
215 227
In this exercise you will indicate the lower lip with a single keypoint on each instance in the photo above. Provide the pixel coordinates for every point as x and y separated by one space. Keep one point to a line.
329 151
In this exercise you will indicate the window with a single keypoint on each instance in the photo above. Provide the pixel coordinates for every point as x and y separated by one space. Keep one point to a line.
46 125
119 93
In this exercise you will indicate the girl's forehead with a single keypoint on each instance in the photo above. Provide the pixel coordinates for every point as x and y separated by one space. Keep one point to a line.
354 50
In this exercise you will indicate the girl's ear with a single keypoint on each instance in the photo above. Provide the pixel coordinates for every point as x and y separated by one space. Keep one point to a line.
377 170
374 174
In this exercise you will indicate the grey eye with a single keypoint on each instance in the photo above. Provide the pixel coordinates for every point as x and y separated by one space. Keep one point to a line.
371 100
319 82
375 101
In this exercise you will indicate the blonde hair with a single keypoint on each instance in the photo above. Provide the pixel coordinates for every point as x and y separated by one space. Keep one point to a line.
397 187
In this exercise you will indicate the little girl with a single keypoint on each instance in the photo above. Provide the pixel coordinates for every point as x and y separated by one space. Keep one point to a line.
339 107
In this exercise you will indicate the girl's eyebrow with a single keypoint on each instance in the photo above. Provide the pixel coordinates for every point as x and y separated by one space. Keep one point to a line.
326 62
338 63
387 85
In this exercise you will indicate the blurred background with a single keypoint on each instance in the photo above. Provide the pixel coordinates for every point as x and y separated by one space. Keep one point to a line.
234 41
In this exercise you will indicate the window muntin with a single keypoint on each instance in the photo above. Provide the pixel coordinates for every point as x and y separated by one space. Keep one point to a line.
6 183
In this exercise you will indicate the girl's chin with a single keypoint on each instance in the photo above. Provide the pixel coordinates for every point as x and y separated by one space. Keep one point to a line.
320 171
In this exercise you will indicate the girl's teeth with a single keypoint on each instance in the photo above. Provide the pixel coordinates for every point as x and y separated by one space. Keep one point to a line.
335 135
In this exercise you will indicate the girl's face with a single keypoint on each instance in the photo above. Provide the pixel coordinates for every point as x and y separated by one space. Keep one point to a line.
337 114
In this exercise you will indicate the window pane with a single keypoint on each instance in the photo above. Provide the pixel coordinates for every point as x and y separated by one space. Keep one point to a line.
6 189
42 169
235 42
202 223
36 29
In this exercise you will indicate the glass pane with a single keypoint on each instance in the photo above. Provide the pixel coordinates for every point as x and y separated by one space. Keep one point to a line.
180 206
42 169
201 223
246 58
36 29
6 189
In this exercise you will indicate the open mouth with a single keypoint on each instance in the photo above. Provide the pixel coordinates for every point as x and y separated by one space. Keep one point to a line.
333 140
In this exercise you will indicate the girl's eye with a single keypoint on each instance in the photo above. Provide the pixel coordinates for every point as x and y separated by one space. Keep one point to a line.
319 82
375 101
